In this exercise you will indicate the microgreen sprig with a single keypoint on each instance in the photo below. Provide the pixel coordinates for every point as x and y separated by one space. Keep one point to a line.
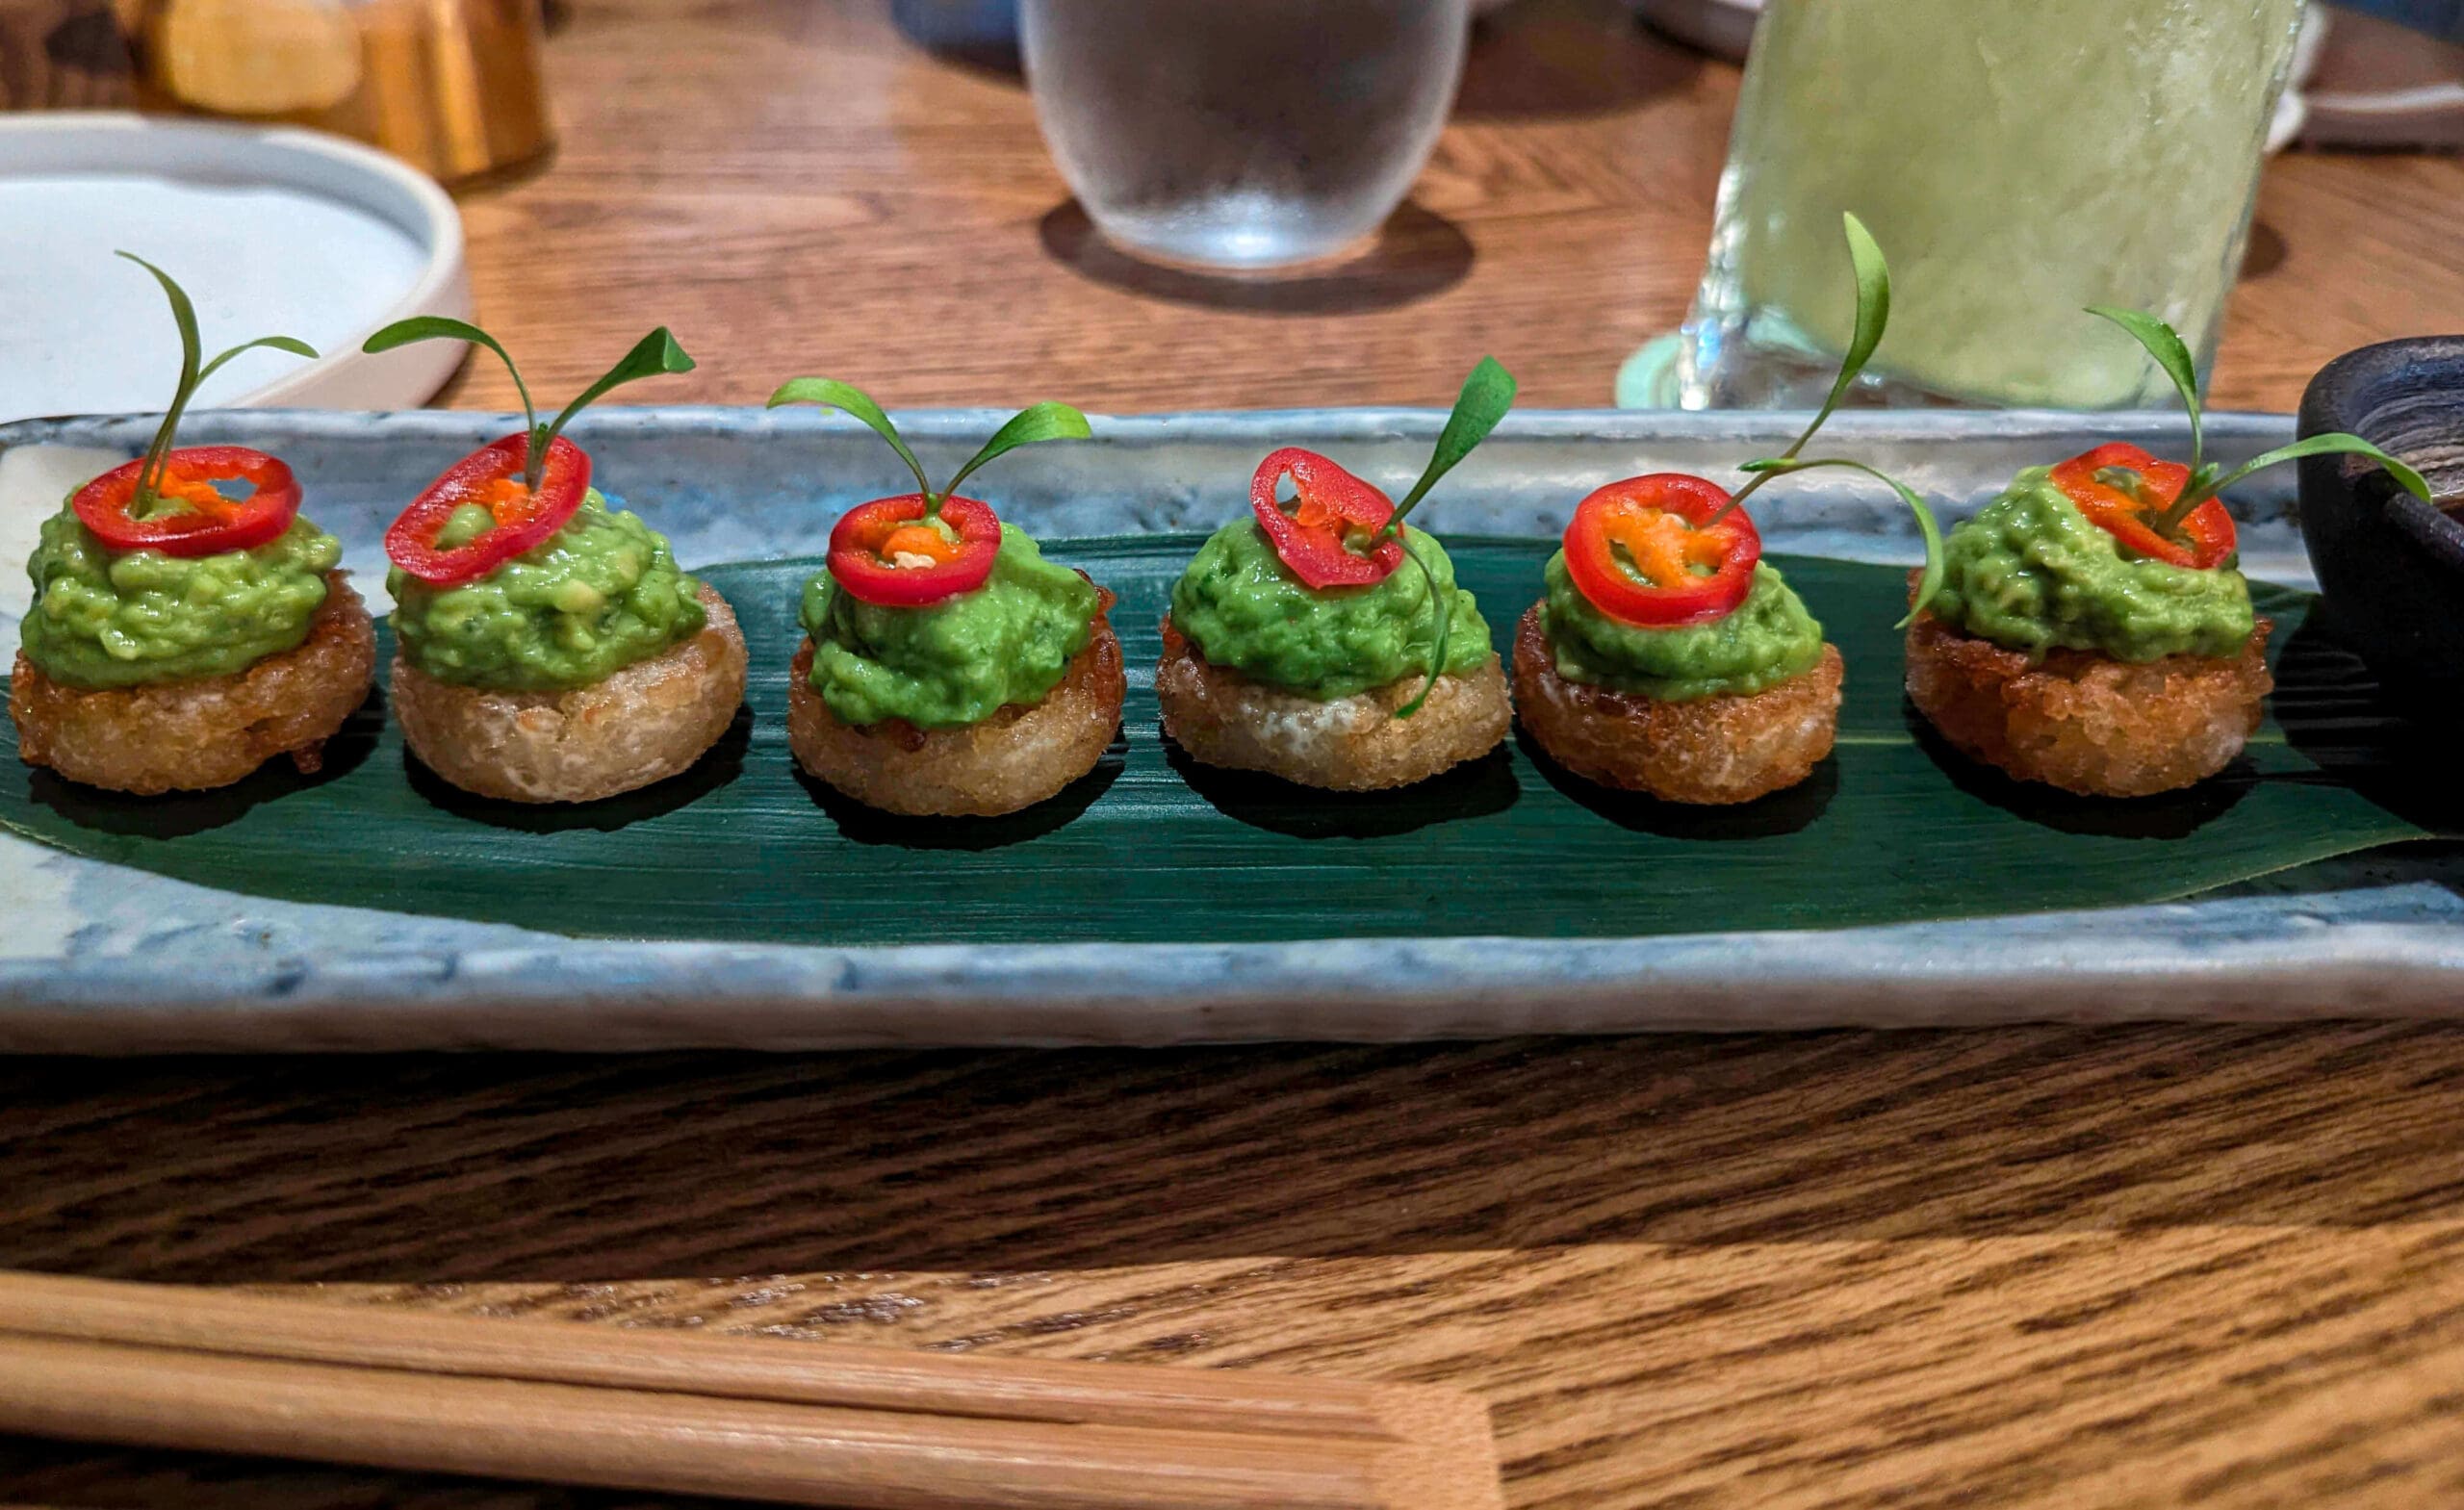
1931 581
654 354
1042 422
193 376
1486 397
1873 318
2208 478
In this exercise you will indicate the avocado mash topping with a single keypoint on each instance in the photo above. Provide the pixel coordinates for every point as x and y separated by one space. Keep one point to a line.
958 661
1241 607
1764 640
102 618
2031 574
600 594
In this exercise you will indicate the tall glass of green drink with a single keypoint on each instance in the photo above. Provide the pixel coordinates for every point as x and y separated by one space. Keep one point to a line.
2018 160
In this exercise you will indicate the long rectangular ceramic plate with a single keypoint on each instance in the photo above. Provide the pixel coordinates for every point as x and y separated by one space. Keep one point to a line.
741 907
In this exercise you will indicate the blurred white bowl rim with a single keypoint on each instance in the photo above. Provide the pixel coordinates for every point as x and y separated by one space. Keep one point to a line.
269 229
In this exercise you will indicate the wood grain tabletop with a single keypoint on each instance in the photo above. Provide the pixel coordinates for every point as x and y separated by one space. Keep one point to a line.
2048 1267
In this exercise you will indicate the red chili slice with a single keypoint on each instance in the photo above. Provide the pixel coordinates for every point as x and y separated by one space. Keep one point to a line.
210 523
1331 504
1643 552
884 552
2207 530
492 478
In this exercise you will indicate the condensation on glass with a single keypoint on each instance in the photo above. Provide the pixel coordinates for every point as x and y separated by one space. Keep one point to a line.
1255 135
2016 162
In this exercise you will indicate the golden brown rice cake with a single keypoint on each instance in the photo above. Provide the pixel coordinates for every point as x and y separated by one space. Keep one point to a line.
1709 751
210 731
648 722
2086 723
1016 759
1354 743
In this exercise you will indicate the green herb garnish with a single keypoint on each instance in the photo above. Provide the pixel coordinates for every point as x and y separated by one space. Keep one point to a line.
149 476
1486 397
653 355
1042 422
2207 479
1927 584
1873 316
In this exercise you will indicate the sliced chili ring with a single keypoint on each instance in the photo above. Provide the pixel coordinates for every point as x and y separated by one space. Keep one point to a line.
884 552
210 523
1644 553
2207 535
1330 504
492 478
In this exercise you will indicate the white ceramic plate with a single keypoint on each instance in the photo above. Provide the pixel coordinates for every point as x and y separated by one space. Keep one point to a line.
271 230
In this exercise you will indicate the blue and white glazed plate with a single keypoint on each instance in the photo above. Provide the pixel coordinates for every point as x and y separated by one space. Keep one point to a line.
110 949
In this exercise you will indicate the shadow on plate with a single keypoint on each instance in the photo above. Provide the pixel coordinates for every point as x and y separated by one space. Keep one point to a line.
176 815
862 825
2166 815
1474 789
721 764
1763 818
1417 253
2336 711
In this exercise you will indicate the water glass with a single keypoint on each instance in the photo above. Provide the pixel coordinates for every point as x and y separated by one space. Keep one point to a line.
1242 133
2016 162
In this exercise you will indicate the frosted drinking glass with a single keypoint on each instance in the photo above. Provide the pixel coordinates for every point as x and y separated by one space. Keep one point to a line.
1242 133
2018 160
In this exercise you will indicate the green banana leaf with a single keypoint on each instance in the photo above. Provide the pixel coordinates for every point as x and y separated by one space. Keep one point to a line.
1150 848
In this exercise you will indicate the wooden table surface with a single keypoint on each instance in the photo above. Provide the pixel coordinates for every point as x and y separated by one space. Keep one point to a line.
2052 1266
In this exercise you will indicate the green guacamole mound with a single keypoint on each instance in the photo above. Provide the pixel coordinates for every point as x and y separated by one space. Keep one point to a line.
958 662
599 595
1242 608
2031 574
1759 644
104 618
